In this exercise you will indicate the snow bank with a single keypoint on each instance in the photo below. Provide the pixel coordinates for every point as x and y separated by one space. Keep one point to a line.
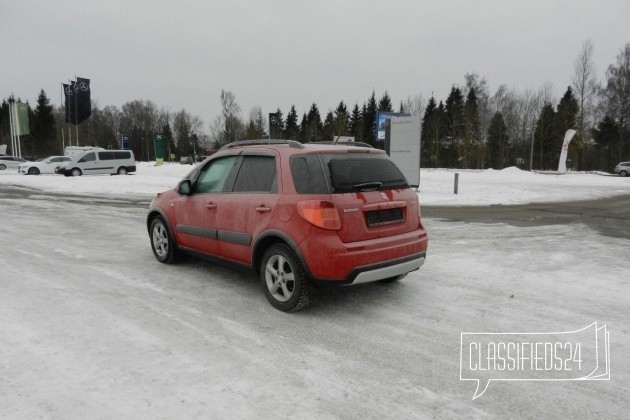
476 187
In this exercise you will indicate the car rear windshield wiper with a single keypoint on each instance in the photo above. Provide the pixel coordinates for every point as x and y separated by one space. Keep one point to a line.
366 186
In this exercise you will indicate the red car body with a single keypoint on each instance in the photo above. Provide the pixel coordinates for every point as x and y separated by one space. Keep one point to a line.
338 229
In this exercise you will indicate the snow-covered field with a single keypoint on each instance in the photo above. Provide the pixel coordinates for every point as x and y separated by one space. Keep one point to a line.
91 326
476 187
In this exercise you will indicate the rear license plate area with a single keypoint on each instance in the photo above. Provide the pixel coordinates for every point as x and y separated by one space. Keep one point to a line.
384 217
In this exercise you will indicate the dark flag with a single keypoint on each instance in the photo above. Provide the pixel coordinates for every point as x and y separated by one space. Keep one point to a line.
70 105
274 126
83 101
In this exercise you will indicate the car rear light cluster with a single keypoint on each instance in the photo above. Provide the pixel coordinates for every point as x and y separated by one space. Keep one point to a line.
322 214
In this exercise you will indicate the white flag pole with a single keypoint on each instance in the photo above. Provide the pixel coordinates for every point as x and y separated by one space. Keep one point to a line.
16 118
76 111
63 118
12 129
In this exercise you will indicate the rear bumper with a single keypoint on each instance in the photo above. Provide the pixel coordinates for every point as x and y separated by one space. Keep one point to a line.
331 262
378 272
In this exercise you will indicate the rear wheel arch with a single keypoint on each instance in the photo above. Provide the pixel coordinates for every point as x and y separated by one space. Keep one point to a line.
270 238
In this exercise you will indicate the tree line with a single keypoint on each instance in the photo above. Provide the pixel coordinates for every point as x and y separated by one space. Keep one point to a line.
471 128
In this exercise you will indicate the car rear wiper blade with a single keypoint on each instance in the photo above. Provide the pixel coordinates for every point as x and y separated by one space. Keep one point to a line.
364 186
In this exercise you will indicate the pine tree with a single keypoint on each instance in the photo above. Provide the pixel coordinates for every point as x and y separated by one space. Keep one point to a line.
303 136
355 125
616 99
471 152
281 126
455 124
291 129
314 124
341 120
369 121
566 117
544 154
385 104
497 142
606 137
43 130
428 135
328 128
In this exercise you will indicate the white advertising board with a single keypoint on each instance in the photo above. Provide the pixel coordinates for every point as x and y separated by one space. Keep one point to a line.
404 147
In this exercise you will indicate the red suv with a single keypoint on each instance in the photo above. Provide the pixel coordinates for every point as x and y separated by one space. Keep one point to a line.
295 214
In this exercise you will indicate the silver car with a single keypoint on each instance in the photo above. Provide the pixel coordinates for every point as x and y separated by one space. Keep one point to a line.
10 162
623 168
43 166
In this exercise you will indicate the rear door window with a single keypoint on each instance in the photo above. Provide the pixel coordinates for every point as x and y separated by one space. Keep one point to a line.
308 174
256 174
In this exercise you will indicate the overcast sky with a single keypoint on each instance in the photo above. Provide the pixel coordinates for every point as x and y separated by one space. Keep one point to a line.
180 54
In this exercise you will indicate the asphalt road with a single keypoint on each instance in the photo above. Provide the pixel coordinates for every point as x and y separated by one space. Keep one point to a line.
610 216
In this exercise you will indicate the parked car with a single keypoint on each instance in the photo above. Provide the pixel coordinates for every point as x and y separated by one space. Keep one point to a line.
46 165
10 162
623 168
295 214
103 161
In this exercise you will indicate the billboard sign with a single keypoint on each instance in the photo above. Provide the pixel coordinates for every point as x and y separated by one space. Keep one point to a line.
381 117
402 144
125 143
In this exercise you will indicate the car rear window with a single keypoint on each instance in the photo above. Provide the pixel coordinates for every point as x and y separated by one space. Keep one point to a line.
339 173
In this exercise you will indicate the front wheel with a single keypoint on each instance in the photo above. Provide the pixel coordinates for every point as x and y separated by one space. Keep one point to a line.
284 279
623 173
3 167
76 172
33 171
162 243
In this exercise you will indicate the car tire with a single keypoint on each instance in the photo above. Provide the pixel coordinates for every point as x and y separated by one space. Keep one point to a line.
33 171
76 172
284 279
3 167
122 171
623 173
162 243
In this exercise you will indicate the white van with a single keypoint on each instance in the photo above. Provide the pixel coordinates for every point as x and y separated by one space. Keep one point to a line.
94 162
72 151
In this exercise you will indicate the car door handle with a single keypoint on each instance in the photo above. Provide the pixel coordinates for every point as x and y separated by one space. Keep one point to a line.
211 206
263 209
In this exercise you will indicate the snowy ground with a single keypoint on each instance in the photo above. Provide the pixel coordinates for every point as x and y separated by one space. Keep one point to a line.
476 187
93 327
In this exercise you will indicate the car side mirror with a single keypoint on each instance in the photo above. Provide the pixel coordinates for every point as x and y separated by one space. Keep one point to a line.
184 187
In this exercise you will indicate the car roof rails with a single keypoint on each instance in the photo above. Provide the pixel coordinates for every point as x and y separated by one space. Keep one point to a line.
344 143
263 142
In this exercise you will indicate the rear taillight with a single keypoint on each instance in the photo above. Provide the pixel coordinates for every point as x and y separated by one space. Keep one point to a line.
322 214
